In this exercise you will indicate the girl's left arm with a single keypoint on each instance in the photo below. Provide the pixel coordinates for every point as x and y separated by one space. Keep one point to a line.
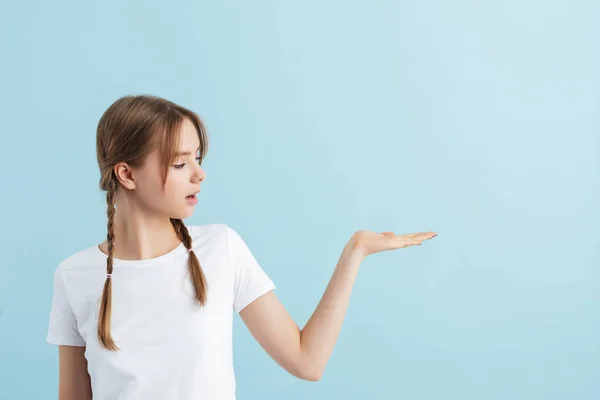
305 352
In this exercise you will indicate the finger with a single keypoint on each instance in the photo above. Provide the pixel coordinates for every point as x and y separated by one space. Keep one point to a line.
412 236
406 242
429 233
415 241
424 235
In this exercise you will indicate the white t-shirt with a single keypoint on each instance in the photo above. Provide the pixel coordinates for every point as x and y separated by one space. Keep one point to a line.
170 347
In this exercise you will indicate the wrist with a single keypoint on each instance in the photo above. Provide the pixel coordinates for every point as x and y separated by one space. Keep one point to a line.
353 251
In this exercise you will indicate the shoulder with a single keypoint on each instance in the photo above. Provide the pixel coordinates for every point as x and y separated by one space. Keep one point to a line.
209 234
206 231
90 257
218 234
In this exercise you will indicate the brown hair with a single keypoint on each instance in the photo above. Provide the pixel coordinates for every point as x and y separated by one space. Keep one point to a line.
128 131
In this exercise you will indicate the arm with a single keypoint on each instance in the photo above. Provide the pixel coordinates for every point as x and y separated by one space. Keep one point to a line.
305 353
74 380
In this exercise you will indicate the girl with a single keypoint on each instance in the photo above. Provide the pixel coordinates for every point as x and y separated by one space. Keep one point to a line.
148 313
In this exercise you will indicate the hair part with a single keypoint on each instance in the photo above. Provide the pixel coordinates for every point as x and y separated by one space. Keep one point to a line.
131 128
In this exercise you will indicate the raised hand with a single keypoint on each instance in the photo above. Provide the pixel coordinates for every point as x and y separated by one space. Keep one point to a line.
368 242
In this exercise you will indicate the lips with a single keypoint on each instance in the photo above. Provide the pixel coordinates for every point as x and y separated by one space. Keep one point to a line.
191 196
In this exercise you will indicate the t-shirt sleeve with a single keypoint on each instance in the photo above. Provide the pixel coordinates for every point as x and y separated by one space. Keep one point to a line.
62 328
249 280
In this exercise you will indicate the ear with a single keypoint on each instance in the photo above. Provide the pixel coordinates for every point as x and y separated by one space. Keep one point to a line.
124 174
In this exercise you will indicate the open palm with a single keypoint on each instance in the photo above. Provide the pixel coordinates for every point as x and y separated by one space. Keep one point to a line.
369 242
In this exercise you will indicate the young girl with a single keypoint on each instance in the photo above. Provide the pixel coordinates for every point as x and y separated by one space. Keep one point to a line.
148 313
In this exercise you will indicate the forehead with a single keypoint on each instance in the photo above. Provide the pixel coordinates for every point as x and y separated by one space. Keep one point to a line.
188 137
189 143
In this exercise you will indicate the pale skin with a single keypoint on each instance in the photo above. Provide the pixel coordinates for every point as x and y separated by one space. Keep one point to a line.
147 233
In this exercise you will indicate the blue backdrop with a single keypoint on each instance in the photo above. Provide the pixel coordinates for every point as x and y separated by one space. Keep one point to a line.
477 120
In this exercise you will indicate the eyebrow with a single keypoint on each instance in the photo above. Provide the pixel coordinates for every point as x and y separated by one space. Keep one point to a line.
185 153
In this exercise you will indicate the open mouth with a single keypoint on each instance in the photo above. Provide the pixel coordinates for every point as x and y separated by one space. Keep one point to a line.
191 196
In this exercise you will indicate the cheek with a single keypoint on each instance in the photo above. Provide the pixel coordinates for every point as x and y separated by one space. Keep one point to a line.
174 185
150 186
150 194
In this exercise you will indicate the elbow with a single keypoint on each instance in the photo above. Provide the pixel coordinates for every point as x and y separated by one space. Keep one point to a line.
311 375
305 368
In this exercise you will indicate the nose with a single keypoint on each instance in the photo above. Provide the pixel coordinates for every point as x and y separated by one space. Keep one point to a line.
199 174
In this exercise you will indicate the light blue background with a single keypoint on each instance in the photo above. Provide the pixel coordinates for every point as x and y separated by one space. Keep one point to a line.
478 120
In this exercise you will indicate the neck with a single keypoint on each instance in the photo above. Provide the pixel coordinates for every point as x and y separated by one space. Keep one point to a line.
140 235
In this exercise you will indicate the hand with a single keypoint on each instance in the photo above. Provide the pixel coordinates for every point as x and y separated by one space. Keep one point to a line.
367 242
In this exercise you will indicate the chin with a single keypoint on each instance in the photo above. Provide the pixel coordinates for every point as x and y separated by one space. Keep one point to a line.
181 214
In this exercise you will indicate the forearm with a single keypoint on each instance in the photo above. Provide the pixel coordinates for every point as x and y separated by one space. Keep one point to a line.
319 335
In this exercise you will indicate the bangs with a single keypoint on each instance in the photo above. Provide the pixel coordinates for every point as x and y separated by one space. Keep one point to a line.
169 140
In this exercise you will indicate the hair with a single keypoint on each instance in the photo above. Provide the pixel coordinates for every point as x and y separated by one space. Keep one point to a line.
131 128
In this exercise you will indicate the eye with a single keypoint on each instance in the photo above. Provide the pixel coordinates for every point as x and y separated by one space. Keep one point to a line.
179 166
199 160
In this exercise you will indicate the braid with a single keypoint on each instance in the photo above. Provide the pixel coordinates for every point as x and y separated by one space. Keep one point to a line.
195 270
105 304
